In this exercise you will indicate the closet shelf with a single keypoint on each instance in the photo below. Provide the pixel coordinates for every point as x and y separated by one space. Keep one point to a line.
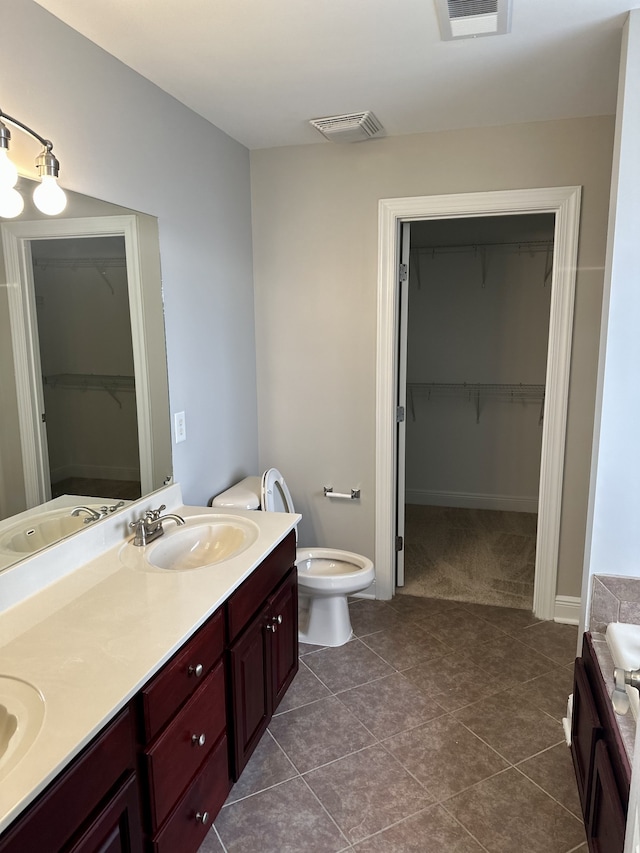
92 382
476 392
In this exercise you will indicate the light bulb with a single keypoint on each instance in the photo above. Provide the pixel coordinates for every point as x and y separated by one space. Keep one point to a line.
48 197
8 171
11 203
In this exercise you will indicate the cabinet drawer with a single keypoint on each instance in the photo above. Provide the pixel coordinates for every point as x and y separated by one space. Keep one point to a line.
183 746
181 676
192 817
251 595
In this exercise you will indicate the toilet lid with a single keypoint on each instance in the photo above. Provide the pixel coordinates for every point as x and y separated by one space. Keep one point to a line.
275 495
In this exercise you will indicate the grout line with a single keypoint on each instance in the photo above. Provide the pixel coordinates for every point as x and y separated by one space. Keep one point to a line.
328 813
468 831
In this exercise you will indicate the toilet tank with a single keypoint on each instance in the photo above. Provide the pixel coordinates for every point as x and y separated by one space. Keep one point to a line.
244 495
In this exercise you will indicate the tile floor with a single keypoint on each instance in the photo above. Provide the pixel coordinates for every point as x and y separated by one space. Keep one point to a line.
437 729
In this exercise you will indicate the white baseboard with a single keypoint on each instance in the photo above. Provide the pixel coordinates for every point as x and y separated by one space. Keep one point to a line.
567 610
510 503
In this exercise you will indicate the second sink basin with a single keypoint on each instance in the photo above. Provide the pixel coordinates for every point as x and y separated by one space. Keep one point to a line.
21 718
202 543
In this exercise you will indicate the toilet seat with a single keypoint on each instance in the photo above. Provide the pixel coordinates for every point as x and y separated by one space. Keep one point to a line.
274 492
329 570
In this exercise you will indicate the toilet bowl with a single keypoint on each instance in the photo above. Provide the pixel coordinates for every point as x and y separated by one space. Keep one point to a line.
326 576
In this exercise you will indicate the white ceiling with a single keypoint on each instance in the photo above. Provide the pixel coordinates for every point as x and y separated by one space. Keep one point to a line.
260 69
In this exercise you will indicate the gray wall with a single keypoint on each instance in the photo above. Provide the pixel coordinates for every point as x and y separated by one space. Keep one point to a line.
315 220
121 139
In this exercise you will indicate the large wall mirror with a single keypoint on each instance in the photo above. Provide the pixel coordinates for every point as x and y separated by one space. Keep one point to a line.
84 401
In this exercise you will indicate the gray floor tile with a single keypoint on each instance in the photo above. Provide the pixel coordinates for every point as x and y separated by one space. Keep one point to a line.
508 813
505 618
459 629
414 606
449 682
444 756
389 705
211 843
515 730
267 766
347 666
553 771
367 792
556 641
508 662
549 692
405 645
430 831
367 617
318 733
305 688
284 819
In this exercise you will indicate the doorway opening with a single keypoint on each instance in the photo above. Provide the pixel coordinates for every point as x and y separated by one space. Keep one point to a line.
477 300
563 204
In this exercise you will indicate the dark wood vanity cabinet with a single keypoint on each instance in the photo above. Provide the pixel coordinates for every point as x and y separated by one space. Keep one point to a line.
92 807
263 648
158 774
600 761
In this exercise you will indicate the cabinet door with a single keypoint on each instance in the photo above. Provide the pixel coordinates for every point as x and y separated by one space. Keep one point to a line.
585 732
250 663
606 827
283 621
117 828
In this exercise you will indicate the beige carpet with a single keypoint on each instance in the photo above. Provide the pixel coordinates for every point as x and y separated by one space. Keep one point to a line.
470 555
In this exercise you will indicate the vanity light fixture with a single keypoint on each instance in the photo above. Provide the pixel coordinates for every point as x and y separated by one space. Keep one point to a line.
48 197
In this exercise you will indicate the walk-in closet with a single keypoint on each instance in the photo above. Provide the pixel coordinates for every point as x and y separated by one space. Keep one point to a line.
477 336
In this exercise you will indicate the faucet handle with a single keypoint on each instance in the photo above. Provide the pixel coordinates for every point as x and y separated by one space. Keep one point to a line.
154 514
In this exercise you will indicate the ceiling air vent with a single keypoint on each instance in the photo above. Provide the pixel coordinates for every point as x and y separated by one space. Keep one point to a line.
465 19
353 127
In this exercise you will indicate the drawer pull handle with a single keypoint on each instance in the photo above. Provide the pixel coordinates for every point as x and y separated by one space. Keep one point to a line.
196 670
198 740
202 817
275 621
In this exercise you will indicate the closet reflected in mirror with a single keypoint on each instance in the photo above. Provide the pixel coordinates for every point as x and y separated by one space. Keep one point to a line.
83 382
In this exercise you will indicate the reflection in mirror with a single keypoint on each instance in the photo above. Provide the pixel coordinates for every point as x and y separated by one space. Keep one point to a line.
83 385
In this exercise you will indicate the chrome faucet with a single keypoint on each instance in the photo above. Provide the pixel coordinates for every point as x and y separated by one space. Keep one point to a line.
92 514
96 514
149 526
619 697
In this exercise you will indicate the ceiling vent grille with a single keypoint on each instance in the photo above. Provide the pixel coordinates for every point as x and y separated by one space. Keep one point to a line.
352 127
464 19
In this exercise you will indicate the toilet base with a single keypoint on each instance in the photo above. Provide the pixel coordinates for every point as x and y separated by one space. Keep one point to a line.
324 620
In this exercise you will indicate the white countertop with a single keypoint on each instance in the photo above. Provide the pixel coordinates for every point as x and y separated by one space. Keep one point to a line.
94 636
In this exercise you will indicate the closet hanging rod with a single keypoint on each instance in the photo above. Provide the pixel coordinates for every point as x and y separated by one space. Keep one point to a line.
476 391
73 263
521 245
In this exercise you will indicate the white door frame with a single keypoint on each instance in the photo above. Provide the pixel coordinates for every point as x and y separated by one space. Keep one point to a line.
16 237
564 202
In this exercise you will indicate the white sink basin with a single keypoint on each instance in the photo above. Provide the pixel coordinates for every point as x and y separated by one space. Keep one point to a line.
21 718
623 640
202 543
38 531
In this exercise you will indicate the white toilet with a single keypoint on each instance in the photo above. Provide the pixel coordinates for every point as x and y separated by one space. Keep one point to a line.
326 576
